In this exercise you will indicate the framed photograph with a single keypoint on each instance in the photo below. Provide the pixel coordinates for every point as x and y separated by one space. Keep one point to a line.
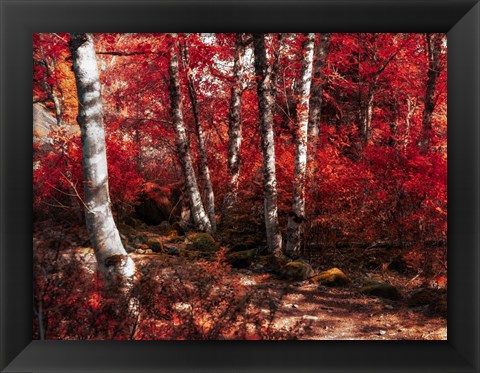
397 87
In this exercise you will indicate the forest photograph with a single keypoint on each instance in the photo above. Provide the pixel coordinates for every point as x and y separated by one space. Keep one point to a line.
239 186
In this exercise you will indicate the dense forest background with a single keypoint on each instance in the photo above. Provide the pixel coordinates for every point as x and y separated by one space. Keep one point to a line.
254 150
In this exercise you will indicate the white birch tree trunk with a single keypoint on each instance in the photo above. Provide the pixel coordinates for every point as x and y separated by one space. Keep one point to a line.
113 261
200 218
235 127
315 109
265 106
205 170
297 215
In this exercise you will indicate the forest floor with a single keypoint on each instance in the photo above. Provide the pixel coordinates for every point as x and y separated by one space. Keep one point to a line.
316 312
345 314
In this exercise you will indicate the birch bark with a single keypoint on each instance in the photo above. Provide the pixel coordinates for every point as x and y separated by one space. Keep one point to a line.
200 218
297 216
265 105
235 127
205 171
315 109
113 261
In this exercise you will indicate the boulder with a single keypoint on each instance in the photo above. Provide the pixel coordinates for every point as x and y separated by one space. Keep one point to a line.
155 244
202 242
331 277
247 242
270 263
172 250
434 299
241 259
297 271
126 229
165 226
179 228
141 249
129 248
381 289
133 222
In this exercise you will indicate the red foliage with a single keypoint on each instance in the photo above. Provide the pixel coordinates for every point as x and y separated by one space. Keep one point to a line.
385 189
198 301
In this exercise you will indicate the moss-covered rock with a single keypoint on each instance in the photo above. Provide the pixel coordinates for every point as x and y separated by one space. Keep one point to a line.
172 234
423 297
140 238
297 271
270 263
248 242
331 277
374 280
241 259
126 229
434 299
133 222
155 244
179 228
164 226
203 242
380 289
172 250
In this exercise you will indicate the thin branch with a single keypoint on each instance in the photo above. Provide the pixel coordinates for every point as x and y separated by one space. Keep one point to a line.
128 54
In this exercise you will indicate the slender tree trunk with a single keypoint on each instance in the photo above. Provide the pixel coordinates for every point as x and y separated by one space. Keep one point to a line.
235 127
59 104
411 106
297 216
49 89
265 106
113 261
394 123
205 171
198 212
315 110
366 114
434 46
321 53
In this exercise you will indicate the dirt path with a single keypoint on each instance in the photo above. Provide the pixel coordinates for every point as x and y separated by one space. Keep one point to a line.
327 313
345 314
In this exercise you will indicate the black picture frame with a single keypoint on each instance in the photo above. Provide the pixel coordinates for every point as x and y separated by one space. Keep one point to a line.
459 18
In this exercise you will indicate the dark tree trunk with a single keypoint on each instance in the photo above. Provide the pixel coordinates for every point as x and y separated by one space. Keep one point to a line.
434 47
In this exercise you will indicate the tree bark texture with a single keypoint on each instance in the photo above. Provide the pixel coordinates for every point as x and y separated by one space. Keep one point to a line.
315 110
265 106
235 126
434 47
113 261
297 215
200 218
366 115
205 171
